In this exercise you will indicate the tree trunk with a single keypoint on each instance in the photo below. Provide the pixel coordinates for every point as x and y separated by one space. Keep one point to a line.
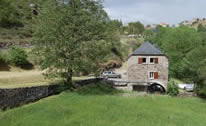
69 78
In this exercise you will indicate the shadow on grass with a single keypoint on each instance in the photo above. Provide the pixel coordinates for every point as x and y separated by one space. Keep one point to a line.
98 88
28 66
4 66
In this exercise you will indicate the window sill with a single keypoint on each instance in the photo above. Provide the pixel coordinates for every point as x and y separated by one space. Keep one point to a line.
152 79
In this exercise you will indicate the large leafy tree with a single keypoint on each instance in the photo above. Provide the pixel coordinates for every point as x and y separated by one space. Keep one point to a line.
135 28
201 28
187 55
6 13
177 43
195 68
70 36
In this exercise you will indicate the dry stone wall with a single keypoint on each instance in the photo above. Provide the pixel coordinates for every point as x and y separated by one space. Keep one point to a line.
10 98
14 97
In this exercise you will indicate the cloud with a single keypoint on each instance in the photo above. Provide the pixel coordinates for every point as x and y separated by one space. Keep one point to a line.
155 11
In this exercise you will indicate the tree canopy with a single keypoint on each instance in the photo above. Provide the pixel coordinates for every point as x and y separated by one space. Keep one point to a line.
135 28
71 37
185 48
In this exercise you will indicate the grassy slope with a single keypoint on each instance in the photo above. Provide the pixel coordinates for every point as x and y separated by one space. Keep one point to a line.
14 35
16 77
89 109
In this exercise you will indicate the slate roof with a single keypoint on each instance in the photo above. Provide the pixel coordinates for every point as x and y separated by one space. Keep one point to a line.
148 49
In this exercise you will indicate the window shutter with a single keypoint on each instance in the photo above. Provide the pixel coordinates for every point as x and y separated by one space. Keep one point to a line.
156 75
140 60
156 60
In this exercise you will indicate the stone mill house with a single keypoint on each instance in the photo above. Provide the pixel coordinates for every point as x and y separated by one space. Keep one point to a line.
147 68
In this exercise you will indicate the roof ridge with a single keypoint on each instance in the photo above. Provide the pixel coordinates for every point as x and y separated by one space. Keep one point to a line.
147 48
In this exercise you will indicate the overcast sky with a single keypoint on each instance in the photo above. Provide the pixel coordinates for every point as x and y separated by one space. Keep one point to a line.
155 11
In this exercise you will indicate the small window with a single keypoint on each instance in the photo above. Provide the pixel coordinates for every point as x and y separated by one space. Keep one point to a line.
152 60
153 75
144 60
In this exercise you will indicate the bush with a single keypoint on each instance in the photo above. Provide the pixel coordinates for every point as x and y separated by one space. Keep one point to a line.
2 58
172 89
200 89
98 88
17 56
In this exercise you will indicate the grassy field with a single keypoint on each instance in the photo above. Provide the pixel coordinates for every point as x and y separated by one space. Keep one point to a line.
100 106
16 77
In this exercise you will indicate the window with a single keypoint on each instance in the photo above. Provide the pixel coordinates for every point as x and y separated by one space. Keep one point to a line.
154 60
142 60
153 75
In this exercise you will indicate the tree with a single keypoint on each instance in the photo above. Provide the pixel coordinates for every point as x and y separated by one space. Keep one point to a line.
149 35
201 28
195 68
71 37
135 28
177 43
6 11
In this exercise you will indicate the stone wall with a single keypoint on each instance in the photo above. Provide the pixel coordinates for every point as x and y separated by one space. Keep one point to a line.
140 72
10 98
14 97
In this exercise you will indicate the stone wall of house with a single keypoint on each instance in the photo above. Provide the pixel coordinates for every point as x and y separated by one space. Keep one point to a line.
140 72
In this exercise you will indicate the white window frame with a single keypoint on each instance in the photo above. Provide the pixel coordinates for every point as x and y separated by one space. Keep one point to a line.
151 78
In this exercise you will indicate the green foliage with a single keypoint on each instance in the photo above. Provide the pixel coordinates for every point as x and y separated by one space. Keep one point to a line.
177 43
185 48
4 62
2 57
149 35
195 67
172 89
135 28
6 11
71 38
14 13
17 56
201 28
113 32
99 88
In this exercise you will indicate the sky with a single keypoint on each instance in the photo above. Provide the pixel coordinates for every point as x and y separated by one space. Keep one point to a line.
155 11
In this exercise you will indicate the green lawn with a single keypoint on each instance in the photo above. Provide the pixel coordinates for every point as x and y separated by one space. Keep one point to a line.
106 107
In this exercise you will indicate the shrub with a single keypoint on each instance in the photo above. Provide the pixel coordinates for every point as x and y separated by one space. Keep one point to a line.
172 88
2 58
201 89
98 88
17 56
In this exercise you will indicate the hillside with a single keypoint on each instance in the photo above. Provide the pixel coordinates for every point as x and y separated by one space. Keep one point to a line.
14 36
194 23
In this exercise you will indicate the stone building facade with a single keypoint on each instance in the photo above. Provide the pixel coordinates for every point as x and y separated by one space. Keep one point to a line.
147 66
